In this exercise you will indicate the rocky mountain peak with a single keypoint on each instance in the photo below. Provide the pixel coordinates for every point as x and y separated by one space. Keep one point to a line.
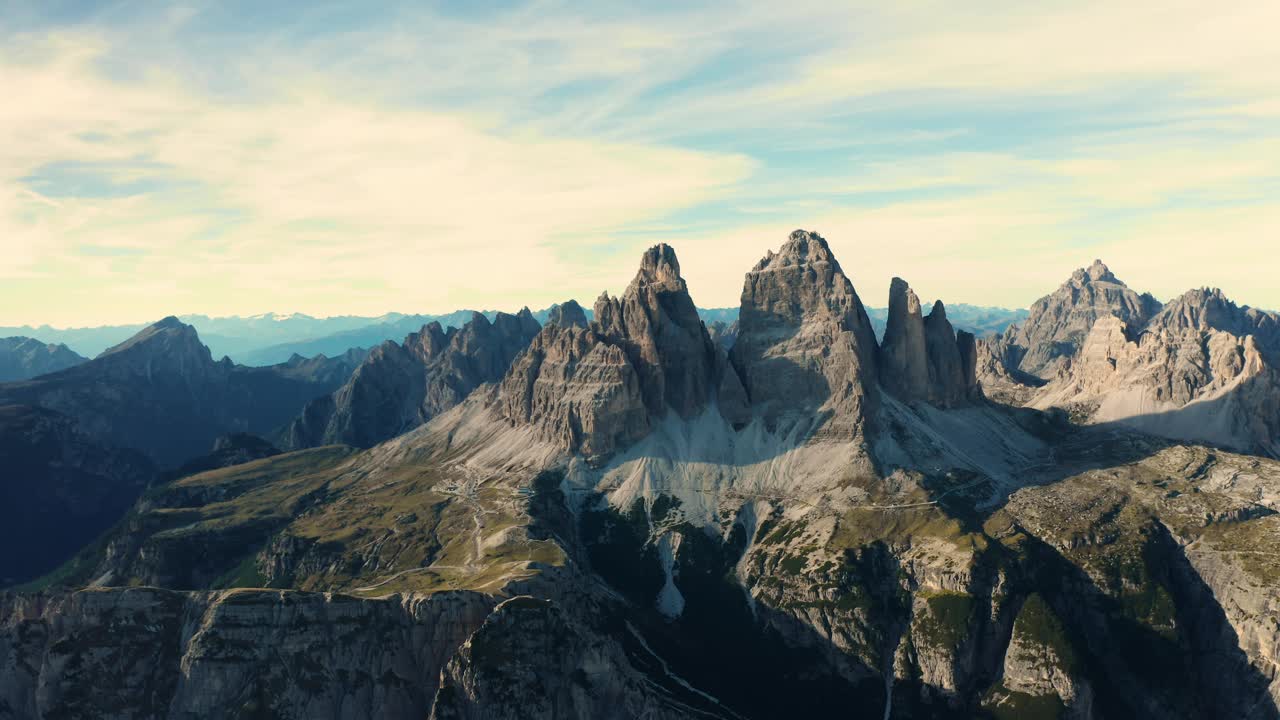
1205 310
400 386
596 387
801 247
660 266
1098 272
904 368
1058 323
528 324
171 321
567 314
922 358
428 342
804 342
170 346
23 357
657 325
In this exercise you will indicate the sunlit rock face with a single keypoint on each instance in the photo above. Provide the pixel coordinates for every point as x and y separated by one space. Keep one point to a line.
1059 322
805 346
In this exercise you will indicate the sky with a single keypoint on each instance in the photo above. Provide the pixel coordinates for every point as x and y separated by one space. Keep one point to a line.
231 158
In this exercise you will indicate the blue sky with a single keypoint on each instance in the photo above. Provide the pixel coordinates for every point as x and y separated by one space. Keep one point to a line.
328 158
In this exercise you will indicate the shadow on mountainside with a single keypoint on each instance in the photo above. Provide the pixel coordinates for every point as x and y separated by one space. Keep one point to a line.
1244 420
1156 644
720 643
1074 449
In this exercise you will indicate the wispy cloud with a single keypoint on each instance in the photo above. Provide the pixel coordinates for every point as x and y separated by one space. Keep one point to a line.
220 158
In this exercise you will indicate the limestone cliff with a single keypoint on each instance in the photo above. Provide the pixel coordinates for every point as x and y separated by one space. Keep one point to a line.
805 351
403 385
1059 322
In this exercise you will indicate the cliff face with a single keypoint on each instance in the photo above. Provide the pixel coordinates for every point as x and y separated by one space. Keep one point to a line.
804 349
1186 375
1059 322
656 324
403 385
922 358
150 653
578 391
596 388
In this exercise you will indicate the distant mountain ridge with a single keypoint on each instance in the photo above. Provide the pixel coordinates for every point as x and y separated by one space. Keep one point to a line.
1198 369
161 392
402 385
22 358
272 338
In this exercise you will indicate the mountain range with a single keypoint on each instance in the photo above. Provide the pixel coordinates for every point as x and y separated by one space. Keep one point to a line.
22 358
643 511
273 338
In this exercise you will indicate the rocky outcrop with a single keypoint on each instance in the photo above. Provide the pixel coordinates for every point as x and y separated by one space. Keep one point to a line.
597 388
1208 310
723 334
403 385
1041 668
1186 375
532 659
567 314
904 358
22 358
922 358
577 390
805 351
162 393
321 369
1059 322
656 323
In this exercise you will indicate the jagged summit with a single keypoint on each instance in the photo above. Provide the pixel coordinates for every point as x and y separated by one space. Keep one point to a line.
567 314
595 387
1209 309
169 344
804 344
22 358
804 359
801 247
400 386
656 323
1058 323
922 358
1097 272
903 360
660 265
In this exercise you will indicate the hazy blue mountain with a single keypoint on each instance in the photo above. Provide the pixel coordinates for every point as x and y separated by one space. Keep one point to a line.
367 336
162 392
87 341
22 358
273 338
250 339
